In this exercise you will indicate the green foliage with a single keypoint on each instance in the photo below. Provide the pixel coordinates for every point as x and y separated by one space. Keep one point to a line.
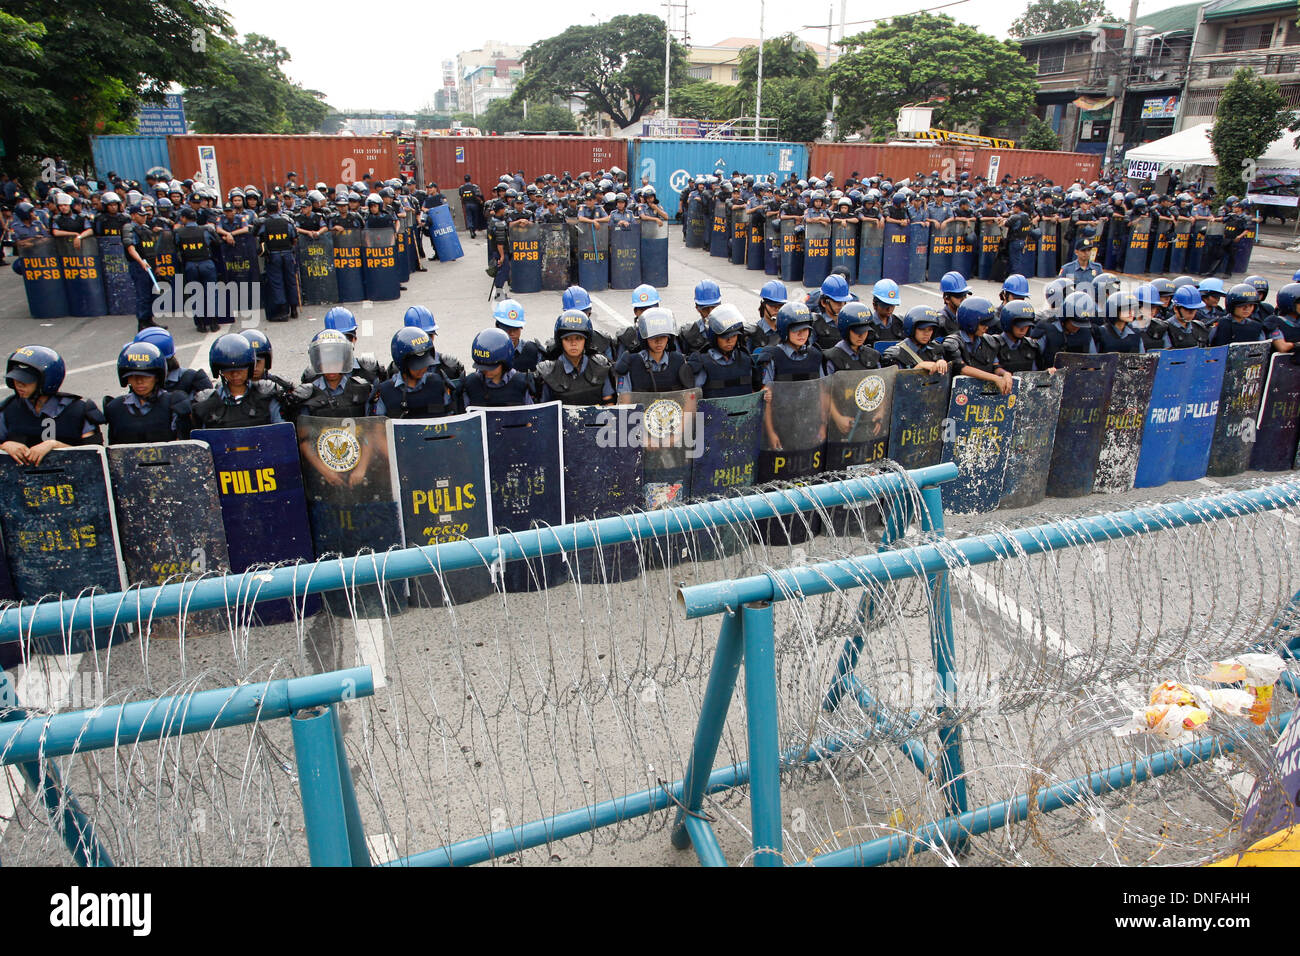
506 116
701 100
921 58
780 59
615 68
248 92
1044 16
1040 135
797 104
1250 116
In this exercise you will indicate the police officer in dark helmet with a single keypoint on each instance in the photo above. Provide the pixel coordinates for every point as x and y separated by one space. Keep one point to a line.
498 245
147 412
335 391
795 359
1117 333
654 366
918 349
236 401
140 243
1072 332
578 376
1018 351
276 237
196 247
495 383
725 367
419 317
420 388
971 351
39 418
576 297
1241 324
852 351
349 216
188 381
111 219
262 360
471 200
1262 309
341 319
1184 329
1284 324
644 298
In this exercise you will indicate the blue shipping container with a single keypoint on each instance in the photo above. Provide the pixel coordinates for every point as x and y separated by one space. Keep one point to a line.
670 163
128 156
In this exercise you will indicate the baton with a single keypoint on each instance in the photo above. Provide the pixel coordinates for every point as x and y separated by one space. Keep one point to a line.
156 287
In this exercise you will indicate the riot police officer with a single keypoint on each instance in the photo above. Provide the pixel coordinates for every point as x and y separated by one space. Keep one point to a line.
38 418
336 390
140 243
498 245
1146 320
918 349
1018 351
772 296
833 294
276 236
853 350
190 381
420 387
236 401
886 326
1072 332
509 318
495 383
954 288
644 298
262 361
1184 329
576 297
1241 325
147 412
653 367
971 351
1284 324
1117 334
110 221
341 319
196 245
724 367
794 359
451 368
577 377
471 201
694 337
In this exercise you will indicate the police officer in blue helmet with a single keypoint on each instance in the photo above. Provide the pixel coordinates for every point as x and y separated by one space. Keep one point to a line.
971 351
644 298
38 418
236 400
695 337
795 358
340 319
578 376
832 296
335 389
1184 329
147 412
954 289
419 387
771 297
653 366
191 381
451 368
508 314
886 325
853 351
726 367
495 383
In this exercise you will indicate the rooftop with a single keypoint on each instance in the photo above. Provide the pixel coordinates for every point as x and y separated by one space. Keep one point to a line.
1245 8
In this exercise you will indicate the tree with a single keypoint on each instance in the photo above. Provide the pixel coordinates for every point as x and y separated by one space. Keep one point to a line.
970 77
1250 116
1040 135
797 104
1043 16
616 67
702 100
783 56
506 116
248 92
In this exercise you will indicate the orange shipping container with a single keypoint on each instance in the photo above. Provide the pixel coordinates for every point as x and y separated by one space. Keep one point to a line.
448 159
900 162
265 161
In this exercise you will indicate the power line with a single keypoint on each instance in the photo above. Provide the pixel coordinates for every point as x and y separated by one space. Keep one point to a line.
856 23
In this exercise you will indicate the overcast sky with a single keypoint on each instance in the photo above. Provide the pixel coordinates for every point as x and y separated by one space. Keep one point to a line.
415 38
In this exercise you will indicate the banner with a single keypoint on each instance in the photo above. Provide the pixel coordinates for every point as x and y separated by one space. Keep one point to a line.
1121 442
1084 400
978 444
1033 431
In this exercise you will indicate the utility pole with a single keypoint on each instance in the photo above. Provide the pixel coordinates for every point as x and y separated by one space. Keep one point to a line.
758 99
668 58
1126 62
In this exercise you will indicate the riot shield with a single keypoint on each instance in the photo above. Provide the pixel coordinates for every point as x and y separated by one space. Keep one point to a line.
440 473
316 270
1038 406
858 416
593 256
871 256
442 229
349 275
83 280
941 248
963 248
1179 246
350 502
401 251
263 507
1200 412
670 439
119 291
379 266
727 453
1121 441
844 248
918 251
241 265
794 431
43 279
755 250
916 419
990 239
1242 248
1161 233
791 250
1084 400
555 256
895 259
1234 429
979 442
526 464
525 256
625 256
61 536
697 223
772 245
1195 248
1020 258
654 253
817 253
1279 416
168 521
602 477
1116 244
720 235
739 232
1213 247
1165 411
1031 251
164 266
1048 249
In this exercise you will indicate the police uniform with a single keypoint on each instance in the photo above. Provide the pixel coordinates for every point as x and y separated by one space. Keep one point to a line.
195 245
587 384
1054 339
276 235
218 408
350 398
1283 328
638 372
1192 335
785 363
907 352
1080 274
471 201
843 357
76 420
515 388
132 420
145 241
1233 330
1129 341
1019 355
960 350
432 396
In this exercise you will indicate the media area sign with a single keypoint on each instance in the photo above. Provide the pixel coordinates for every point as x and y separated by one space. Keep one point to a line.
1144 168
1160 107
163 120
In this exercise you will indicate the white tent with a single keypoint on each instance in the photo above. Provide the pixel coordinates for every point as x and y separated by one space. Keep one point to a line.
1191 147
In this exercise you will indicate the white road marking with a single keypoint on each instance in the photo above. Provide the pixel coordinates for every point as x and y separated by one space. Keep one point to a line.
369 633
367 328
91 368
1288 518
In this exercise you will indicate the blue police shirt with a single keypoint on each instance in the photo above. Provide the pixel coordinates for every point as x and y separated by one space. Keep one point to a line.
377 406
624 385
53 408
276 417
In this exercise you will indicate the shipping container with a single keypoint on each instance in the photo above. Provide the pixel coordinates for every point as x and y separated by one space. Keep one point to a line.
447 160
668 164
949 161
130 157
265 161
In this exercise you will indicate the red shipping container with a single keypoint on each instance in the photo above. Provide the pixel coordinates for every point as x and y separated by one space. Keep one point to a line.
448 159
901 162
265 161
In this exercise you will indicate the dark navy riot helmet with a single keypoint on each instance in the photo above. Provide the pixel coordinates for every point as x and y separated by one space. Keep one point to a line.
157 335
1162 286
726 320
492 347
920 317
1119 303
1287 297
140 358
229 352
38 364
572 322
1017 312
854 315
974 312
1079 308
1260 284
261 345
412 350
791 317
418 317
1242 294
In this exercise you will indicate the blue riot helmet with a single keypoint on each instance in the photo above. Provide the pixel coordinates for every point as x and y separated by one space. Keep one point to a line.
1296 276
1211 286
418 317
412 349
707 293
330 353
919 317
1017 312
791 317
572 322
885 291
38 364
261 345
1287 297
229 352
1078 308
1241 294
726 320
644 296
1118 303
1188 297
1162 286
973 312
1260 284
835 288
1016 285
854 315
576 297
1148 293
140 358
492 347
1105 284
659 321
954 283
341 320
509 313
1180 281
773 291
157 335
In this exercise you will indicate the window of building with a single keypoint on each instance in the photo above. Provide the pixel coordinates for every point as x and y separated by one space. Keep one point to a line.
700 72
1292 33
1202 102
1257 36
1283 63
1219 70
1051 60
735 74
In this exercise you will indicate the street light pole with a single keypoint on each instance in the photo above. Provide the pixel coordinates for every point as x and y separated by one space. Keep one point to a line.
758 99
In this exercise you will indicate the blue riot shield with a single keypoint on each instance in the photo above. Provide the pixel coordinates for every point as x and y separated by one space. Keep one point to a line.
401 252
1048 247
603 477
555 256
525 256
963 248
526 464
791 250
119 290
1178 248
916 419
720 234
942 243
696 223
871 252
444 494
858 417
755 248
263 506
240 265
61 536
43 279
654 253
1195 248
990 241
918 251
978 444
593 256
1234 428
844 247
772 245
1139 246
164 268
1279 416
670 439
817 253
83 277
1163 418
793 448
895 259
1031 251
442 228
1033 430
1113 246
348 265
1200 412
1020 258
379 267
1079 427
625 256
1126 414
738 229
731 431
1242 248
1161 240
316 277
